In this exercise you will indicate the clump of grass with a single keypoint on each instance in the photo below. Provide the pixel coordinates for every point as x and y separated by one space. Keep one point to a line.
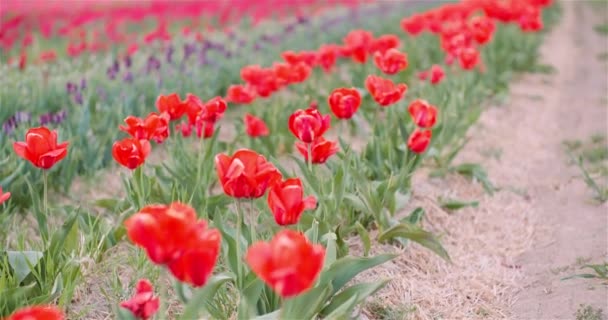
587 312
591 157
601 29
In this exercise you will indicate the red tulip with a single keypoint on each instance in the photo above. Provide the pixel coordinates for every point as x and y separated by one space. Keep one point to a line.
391 61
327 56
289 263
246 174
131 152
344 102
419 140
414 24
306 57
437 74
384 43
255 127
482 28
41 148
358 44
172 105
213 109
242 94
531 20
423 113
384 91
286 201
37 313
308 124
163 231
199 256
154 127
321 150
143 305
204 129
468 58
194 107
4 196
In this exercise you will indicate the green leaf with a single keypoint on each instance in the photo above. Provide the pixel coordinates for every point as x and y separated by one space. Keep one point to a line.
364 235
582 275
202 296
23 262
307 305
416 234
344 310
415 216
345 269
455 204
124 314
330 251
269 316
358 291
249 298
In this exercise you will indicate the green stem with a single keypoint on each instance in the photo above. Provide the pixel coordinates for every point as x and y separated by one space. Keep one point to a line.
45 206
239 222
253 222
309 158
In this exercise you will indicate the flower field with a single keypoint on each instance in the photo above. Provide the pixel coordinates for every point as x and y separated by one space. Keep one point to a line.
243 159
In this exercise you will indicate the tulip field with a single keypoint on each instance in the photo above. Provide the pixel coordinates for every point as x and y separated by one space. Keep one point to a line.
236 159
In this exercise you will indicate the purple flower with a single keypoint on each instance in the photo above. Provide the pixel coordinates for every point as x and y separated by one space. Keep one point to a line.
78 98
169 54
111 73
128 61
83 84
45 119
128 77
71 88
189 49
153 64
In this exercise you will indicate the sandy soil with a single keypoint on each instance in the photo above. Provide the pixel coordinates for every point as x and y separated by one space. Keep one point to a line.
510 253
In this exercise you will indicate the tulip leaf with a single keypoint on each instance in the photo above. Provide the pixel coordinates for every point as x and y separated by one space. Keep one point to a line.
124 314
345 269
308 304
455 204
249 297
360 291
416 234
415 216
23 262
202 296
269 316
344 310
364 235
330 250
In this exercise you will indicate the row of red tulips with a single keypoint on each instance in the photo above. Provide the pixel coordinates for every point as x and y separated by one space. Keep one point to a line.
290 264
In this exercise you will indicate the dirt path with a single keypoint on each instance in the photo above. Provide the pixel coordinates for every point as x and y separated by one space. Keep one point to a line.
510 253
573 107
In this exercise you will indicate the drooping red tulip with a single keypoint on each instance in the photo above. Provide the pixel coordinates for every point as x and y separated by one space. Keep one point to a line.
40 148
384 91
213 109
308 124
344 102
289 263
4 196
143 305
154 127
246 174
286 201
172 105
423 113
37 313
255 127
391 61
321 150
162 230
419 140
131 152
199 256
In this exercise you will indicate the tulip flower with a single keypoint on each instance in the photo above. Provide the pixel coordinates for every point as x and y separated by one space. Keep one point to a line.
482 28
391 61
199 256
344 102
41 148
286 201
213 109
289 263
419 140
436 74
308 124
242 94
143 305
154 127
37 313
358 44
246 174
162 230
384 43
172 105
327 56
131 152
255 127
468 58
413 25
384 91
4 196
423 113
320 150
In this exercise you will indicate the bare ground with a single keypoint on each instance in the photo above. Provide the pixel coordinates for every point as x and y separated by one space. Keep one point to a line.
510 254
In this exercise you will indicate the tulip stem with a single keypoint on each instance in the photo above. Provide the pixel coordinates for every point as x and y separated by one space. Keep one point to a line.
45 202
253 222
239 222
309 158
